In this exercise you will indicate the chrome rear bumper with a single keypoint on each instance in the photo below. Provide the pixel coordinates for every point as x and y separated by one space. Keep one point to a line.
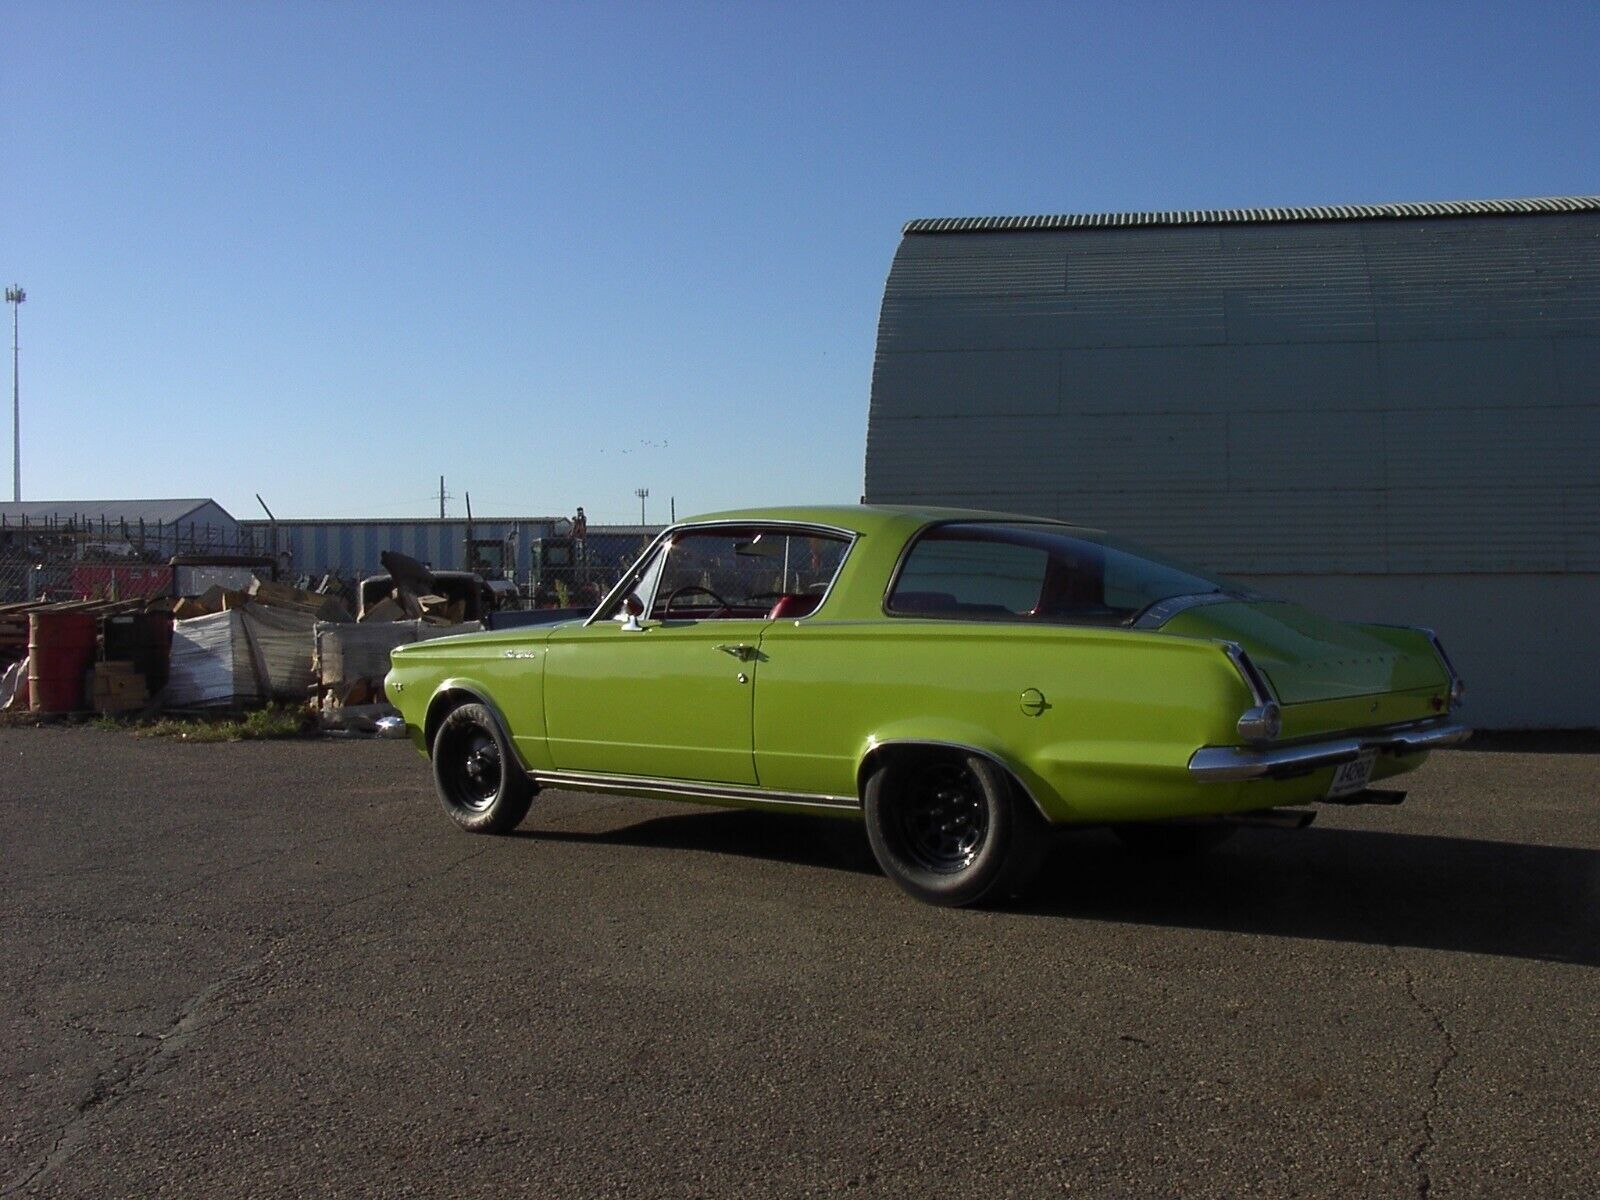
1227 764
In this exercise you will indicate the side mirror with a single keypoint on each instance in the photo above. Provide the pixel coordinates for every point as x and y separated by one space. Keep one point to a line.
632 609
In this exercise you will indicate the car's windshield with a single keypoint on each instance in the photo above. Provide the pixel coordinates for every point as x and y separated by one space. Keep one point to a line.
731 572
983 569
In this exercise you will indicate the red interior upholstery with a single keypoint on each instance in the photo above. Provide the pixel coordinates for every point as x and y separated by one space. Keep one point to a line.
792 605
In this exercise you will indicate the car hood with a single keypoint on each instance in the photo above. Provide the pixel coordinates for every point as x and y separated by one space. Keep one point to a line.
1307 657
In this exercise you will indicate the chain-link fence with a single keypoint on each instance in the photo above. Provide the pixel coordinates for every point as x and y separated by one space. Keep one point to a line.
73 560
120 560
577 572
113 561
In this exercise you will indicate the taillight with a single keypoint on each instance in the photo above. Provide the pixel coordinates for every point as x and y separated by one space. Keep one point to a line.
1263 721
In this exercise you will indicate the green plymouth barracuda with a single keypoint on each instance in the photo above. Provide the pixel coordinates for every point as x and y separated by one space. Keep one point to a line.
962 682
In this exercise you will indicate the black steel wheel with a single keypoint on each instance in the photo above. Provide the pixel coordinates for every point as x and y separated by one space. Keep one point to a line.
478 778
942 817
952 828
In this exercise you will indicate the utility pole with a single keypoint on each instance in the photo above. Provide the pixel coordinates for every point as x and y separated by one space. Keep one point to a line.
641 493
441 497
274 528
14 297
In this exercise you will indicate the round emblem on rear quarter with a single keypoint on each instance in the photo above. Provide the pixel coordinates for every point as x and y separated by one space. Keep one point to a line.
1033 702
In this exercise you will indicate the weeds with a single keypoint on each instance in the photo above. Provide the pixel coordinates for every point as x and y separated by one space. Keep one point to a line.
263 724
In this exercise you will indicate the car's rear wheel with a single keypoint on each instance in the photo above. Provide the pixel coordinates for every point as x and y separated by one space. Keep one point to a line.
951 828
1173 839
480 782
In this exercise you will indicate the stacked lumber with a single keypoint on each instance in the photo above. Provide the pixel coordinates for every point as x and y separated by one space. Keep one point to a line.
13 631
384 611
213 600
352 660
437 610
312 604
401 605
14 619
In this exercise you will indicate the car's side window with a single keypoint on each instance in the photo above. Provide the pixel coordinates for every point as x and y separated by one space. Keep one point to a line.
947 576
724 573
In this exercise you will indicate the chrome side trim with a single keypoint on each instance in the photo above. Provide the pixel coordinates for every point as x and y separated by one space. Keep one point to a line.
1162 611
1457 685
1260 688
688 789
1229 764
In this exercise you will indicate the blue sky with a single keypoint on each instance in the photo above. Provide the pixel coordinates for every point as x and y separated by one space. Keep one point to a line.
328 252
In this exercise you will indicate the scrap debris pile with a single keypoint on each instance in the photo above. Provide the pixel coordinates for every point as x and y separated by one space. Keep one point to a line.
232 649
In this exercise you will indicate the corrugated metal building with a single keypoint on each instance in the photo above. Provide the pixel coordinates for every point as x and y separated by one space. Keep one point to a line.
1387 412
352 547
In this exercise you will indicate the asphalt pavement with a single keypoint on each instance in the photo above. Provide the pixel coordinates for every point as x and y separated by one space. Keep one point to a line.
275 969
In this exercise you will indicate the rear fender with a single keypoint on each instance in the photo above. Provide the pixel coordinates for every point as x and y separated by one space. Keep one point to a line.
947 735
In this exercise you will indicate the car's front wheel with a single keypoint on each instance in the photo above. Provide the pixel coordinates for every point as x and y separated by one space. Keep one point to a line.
480 782
951 828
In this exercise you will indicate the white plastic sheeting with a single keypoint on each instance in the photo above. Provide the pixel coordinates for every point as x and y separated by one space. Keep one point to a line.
243 656
14 685
347 653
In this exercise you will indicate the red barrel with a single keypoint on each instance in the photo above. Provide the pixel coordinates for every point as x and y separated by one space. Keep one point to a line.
60 652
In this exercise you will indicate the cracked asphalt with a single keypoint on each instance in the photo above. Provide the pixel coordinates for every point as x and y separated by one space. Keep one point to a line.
274 969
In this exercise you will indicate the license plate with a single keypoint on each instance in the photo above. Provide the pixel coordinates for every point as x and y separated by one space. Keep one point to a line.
1354 775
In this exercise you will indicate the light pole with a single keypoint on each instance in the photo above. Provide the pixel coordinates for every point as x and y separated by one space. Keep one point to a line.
14 297
641 493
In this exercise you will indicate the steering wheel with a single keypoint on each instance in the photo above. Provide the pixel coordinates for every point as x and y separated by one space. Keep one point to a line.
666 608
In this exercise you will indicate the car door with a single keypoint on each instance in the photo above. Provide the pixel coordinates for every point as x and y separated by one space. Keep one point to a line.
669 695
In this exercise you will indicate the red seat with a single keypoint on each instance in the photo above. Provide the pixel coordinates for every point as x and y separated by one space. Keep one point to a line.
792 605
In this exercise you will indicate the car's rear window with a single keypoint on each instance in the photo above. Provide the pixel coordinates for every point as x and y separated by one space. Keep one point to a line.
983 570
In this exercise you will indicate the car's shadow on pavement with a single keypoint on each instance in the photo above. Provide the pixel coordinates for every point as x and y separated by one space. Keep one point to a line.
820 842
1380 888
1441 893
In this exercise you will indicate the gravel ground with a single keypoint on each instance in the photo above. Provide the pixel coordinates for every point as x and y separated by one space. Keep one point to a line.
275 969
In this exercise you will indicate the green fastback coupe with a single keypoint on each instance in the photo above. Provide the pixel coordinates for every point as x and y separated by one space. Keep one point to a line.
962 681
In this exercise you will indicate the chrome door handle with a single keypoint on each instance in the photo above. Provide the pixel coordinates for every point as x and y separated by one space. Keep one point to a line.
739 650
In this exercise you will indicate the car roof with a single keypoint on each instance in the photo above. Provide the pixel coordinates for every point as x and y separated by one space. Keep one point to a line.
868 518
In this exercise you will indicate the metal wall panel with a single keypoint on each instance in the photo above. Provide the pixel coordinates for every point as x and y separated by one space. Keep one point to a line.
1006 382
354 548
1503 372
1375 397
